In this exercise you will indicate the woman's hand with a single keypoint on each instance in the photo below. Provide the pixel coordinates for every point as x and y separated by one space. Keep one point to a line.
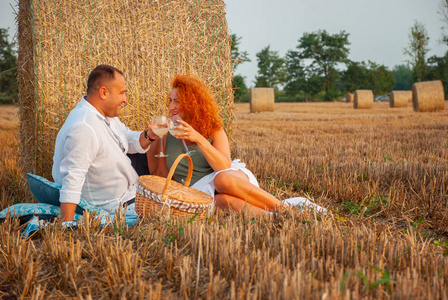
189 132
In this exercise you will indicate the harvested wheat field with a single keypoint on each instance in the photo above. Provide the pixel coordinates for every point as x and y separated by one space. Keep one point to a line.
381 172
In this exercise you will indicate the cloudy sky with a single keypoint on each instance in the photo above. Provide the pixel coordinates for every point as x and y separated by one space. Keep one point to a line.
378 29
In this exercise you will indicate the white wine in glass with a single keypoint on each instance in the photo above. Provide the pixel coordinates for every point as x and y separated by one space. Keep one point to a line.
173 122
160 126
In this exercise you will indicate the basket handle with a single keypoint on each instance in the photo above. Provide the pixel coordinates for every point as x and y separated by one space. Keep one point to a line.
173 168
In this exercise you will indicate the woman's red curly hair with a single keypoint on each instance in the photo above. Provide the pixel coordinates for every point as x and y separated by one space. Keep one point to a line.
198 103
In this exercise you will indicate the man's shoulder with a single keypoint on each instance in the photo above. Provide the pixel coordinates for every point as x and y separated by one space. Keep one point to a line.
80 122
82 116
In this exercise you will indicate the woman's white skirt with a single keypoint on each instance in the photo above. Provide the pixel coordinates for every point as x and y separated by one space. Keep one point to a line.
207 185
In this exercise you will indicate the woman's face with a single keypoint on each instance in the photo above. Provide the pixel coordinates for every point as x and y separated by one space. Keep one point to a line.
175 107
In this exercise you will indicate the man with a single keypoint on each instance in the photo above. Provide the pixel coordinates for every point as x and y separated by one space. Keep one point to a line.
90 159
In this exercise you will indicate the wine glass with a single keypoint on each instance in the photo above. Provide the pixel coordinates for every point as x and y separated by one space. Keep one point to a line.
174 122
160 127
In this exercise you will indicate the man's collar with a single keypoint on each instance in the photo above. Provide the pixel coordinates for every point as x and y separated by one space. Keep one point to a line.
86 104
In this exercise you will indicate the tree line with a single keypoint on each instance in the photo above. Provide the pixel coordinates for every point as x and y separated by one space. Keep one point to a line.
319 68
9 91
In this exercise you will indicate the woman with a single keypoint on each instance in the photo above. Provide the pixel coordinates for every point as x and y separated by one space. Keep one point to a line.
232 185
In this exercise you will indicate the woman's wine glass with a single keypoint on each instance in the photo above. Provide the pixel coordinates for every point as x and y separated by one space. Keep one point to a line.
160 126
174 122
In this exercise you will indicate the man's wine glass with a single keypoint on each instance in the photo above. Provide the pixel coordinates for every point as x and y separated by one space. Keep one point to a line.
160 126
173 122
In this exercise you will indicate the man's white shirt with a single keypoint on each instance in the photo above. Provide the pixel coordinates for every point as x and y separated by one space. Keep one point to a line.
90 159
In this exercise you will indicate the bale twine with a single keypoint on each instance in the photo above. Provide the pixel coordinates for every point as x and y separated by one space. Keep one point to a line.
363 99
60 42
400 98
428 96
349 97
261 99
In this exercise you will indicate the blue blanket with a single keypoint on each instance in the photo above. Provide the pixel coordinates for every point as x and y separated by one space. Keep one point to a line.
48 209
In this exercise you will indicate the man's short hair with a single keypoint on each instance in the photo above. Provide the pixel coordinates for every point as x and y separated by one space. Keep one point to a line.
99 75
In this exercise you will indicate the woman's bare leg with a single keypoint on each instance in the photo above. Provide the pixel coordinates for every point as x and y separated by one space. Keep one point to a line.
227 202
236 184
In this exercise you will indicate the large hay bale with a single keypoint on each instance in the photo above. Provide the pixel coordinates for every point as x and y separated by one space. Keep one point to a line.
261 99
349 97
428 96
150 41
363 99
400 98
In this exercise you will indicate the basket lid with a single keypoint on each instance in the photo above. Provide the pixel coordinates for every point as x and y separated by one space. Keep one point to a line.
175 191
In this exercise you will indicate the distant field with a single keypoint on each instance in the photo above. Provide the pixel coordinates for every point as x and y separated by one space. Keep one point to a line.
345 154
8 116
381 172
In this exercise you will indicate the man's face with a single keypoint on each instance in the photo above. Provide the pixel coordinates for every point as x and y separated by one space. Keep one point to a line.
116 96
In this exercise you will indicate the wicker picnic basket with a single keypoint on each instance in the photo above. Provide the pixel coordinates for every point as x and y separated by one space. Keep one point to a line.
155 193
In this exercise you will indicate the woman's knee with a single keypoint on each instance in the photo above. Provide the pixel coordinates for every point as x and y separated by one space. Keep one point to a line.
227 180
220 181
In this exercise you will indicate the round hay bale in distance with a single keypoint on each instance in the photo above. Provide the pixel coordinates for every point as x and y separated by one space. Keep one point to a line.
400 98
428 96
363 99
349 97
261 99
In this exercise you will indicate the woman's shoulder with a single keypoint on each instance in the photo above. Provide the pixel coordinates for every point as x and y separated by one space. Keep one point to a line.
220 132
219 136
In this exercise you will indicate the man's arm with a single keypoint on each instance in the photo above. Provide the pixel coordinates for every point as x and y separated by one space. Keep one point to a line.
147 137
80 149
67 211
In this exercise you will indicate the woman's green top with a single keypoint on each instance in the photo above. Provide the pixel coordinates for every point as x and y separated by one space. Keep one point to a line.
174 148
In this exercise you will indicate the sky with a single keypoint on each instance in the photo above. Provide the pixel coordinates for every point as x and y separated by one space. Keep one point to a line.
378 29
7 16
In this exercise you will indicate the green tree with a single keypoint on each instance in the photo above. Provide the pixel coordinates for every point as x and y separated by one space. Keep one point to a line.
301 78
238 56
438 70
8 70
444 12
382 79
355 77
239 87
271 69
403 78
417 50
371 76
438 66
325 51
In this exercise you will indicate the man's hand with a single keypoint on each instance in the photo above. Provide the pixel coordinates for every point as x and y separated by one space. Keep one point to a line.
67 211
147 137
151 133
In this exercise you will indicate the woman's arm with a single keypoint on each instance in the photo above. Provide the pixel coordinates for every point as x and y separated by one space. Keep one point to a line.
217 154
